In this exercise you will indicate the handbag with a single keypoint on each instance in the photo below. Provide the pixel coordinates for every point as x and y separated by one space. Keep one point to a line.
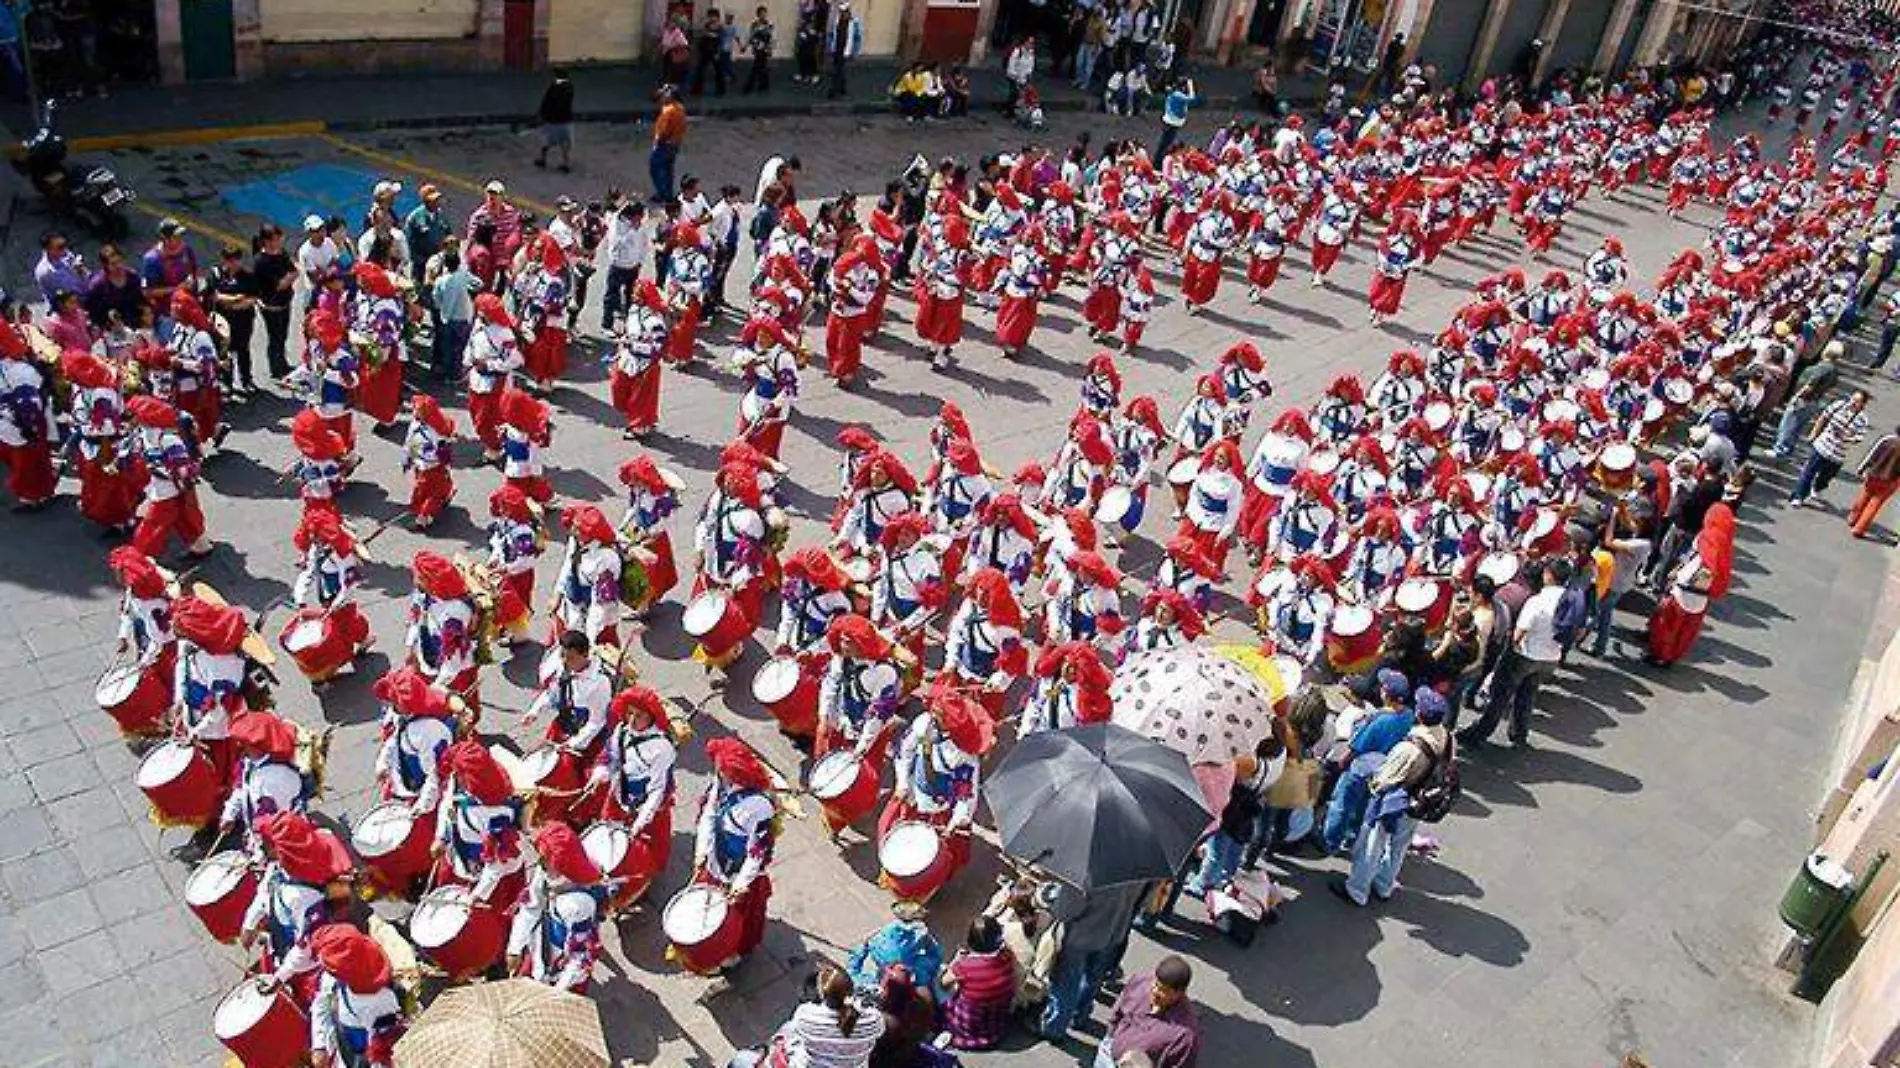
1297 787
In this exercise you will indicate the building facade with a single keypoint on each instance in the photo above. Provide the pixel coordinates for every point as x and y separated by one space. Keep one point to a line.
1463 39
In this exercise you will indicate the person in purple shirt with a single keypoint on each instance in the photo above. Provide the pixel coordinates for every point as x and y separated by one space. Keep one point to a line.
168 265
114 288
60 269
1154 1018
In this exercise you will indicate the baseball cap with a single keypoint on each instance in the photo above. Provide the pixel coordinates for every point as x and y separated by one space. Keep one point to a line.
494 186
566 203
429 192
1393 684
386 189
170 227
312 222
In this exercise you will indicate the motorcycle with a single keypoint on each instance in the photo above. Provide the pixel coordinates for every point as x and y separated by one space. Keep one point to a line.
92 194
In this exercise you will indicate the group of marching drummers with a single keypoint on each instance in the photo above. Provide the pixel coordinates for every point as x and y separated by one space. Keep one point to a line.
902 637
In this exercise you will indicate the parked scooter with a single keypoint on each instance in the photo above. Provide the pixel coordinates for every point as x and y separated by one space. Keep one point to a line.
92 194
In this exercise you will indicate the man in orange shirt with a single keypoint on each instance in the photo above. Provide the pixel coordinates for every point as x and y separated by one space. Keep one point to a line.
669 133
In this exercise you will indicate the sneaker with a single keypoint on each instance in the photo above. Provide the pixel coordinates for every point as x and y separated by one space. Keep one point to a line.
1339 890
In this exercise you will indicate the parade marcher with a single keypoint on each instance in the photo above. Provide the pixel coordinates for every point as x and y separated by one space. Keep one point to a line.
857 276
555 936
738 827
768 357
938 772
1214 503
939 290
909 588
587 599
1208 240
577 697
689 270
27 429
1004 540
1071 689
884 490
379 318
1086 603
418 727
208 689
652 497
541 293
813 593
170 508
266 778
526 434
428 455
493 356
861 691
444 626
1700 578
1021 285
304 888
323 463
328 631
146 642
1294 617
1398 253
111 473
194 354
357 1016
731 553
639 345
478 829
983 648
634 784
1168 620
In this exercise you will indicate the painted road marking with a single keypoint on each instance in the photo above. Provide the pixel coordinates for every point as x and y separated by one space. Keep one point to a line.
192 223
439 177
327 189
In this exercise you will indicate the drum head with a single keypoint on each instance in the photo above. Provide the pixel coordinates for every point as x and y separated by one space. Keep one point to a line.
304 635
1543 523
833 775
165 764
1352 620
1618 457
214 879
1270 583
241 1009
1510 439
775 681
1416 595
1291 673
382 830
1596 378
672 480
1322 461
693 915
1679 391
1184 470
1438 415
1561 409
1480 484
606 844
1654 409
704 613
1116 500
116 685
910 849
541 763
439 917
1500 568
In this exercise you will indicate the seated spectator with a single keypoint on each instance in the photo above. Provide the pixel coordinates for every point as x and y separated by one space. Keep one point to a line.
956 92
905 941
909 91
982 985
1032 937
832 1031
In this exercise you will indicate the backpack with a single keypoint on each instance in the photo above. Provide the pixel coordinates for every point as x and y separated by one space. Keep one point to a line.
1438 789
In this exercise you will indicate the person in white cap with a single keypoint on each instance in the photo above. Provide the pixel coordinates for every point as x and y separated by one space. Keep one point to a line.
318 253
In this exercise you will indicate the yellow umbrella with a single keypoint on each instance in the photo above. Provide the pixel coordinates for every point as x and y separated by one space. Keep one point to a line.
518 1023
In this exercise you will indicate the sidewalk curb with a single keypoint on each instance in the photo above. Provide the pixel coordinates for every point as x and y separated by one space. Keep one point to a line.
814 109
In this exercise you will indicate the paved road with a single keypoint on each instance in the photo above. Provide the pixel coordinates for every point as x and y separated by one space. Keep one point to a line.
1611 889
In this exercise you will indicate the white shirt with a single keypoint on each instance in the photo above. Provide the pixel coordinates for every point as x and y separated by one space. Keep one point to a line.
628 245
316 256
1537 626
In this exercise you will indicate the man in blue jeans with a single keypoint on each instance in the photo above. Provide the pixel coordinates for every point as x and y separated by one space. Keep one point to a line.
669 134
1095 935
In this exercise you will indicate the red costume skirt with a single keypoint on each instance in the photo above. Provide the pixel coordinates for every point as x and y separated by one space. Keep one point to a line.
679 346
379 393
1673 631
1262 272
766 436
514 602
30 476
844 344
1103 307
1385 294
1015 319
546 355
1211 543
1257 510
637 397
939 319
484 413
1324 256
180 516
1200 279
430 492
534 487
663 571
110 497
206 408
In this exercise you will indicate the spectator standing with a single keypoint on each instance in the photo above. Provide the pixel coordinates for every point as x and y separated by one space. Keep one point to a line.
1889 332
706 52
760 40
276 279
729 38
1174 115
231 291
454 295
60 269
1153 1019
1840 426
1626 545
628 247
66 324
1095 935
557 121
1020 68
723 226
1879 474
1534 655
844 39
809 40
1809 388
502 218
1387 835
669 136
168 266
424 228
676 52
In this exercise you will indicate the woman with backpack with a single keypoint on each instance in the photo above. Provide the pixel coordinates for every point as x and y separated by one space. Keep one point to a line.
1417 784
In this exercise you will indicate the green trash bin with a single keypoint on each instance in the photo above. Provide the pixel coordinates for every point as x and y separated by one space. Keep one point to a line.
1819 888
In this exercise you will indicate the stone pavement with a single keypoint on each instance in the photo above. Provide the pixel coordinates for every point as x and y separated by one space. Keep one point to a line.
1613 888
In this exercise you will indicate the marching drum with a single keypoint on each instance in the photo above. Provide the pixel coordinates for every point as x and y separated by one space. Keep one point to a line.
181 784
554 779
1271 582
1544 523
715 620
609 844
702 930
845 786
219 892
1561 410
456 934
1438 416
1118 508
1510 439
305 637
1352 639
1678 392
1499 567
1597 378
262 1028
1425 598
135 699
914 860
1616 464
393 845
1181 476
784 688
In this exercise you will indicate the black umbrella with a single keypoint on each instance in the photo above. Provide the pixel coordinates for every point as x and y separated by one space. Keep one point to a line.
1097 806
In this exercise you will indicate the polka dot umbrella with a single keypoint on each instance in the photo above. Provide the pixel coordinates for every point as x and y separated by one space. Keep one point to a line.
1210 703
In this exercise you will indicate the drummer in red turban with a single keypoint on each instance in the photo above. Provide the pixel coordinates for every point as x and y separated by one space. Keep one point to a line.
738 827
